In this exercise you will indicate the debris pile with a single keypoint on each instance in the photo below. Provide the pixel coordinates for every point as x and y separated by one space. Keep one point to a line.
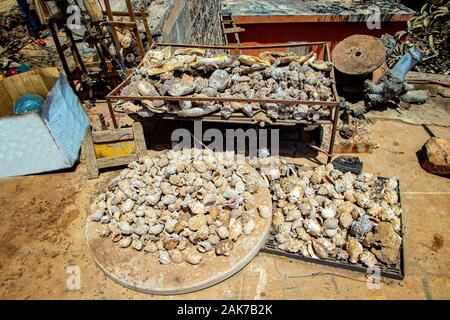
199 73
324 213
179 206
12 25
430 32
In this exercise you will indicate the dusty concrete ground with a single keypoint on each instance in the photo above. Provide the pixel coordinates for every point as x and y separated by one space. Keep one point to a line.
42 238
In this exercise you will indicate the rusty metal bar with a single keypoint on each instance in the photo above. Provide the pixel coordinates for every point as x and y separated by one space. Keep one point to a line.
310 145
111 111
334 129
283 45
223 99
148 32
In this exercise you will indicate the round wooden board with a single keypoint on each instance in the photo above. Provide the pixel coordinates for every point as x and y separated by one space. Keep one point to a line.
358 54
142 271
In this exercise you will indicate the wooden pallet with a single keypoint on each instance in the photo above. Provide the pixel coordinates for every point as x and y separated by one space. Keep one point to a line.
134 134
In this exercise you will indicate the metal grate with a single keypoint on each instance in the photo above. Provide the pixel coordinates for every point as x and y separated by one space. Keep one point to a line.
396 272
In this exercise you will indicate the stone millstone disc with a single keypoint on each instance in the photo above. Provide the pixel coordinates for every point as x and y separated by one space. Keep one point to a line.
142 271
358 54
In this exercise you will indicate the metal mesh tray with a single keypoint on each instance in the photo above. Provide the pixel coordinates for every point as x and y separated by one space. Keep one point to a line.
396 272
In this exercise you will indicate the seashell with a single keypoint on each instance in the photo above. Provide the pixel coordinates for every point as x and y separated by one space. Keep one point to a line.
235 230
104 231
340 238
169 170
151 247
341 255
176 256
153 199
277 219
264 212
196 222
345 207
156 229
327 213
234 202
292 245
141 230
125 228
170 244
361 199
204 246
391 197
222 232
125 242
219 80
224 248
312 227
105 219
323 247
213 212
202 233
183 244
191 256
330 233
170 225
230 193
209 199
331 223
169 199
249 226
354 250
345 220
163 257
137 245
97 216
282 237
293 215
127 206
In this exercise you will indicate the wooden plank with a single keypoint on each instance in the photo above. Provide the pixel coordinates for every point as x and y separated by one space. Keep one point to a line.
113 135
116 161
91 160
139 140
233 30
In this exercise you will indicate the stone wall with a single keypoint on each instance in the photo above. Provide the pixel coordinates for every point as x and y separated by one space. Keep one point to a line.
193 21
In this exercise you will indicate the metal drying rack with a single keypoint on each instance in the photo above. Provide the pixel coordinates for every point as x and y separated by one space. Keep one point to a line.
238 117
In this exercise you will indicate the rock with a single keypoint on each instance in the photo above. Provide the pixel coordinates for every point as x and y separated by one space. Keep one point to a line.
196 222
219 80
354 250
435 156
182 88
368 259
224 248
345 220
385 238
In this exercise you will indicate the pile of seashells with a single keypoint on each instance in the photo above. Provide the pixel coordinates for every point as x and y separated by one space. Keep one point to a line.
324 213
180 205
198 73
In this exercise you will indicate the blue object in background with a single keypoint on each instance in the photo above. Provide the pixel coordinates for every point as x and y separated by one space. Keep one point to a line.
28 103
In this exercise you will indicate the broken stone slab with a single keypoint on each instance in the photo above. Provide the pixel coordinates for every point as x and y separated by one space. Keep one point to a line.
435 156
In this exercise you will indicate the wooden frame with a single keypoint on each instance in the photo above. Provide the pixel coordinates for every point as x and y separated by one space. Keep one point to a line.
93 163
334 105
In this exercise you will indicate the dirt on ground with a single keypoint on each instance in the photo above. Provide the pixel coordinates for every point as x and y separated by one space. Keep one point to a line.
43 245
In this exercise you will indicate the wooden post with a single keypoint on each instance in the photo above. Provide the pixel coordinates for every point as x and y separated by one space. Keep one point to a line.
148 32
139 140
91 158
136 30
